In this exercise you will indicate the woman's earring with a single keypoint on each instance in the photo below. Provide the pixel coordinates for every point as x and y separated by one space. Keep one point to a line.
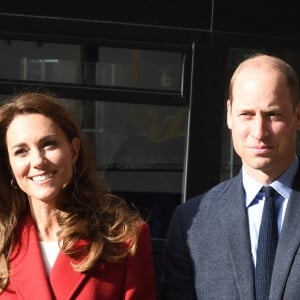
13 184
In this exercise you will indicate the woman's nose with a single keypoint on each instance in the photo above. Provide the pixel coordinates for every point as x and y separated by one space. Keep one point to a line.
37 158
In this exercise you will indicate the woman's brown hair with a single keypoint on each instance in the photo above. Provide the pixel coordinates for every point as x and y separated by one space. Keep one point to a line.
86 211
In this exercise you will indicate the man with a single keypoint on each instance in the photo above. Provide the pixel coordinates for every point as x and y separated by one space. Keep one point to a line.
211 251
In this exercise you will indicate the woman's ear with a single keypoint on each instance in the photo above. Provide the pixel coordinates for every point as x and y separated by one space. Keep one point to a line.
75 146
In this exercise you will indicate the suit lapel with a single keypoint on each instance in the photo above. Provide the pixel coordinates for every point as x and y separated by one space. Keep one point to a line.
28 276
236 230
288 242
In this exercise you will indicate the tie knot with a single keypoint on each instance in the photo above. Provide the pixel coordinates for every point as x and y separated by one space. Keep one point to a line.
269 192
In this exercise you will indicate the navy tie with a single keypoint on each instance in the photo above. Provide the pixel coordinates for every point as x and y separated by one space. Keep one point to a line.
266 248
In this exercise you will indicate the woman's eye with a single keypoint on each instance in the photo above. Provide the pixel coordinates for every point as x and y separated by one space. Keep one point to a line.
20 151
50 144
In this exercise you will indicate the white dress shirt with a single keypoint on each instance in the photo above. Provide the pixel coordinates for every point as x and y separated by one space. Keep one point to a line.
254 201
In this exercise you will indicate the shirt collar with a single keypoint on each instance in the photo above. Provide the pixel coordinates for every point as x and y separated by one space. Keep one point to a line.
283 184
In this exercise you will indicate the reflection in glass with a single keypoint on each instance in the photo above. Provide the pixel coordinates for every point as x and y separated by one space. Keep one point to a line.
136 68
113 67
52 62
145 137
140 150
51 70
146 140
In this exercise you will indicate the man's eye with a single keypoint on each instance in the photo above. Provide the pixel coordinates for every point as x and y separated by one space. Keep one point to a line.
275 116
245 114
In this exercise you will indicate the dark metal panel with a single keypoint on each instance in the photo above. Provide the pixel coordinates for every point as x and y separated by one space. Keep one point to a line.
206 118
273 18
87 92
186 14
67 29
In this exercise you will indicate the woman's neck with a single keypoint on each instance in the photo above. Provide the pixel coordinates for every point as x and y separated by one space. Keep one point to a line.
44 217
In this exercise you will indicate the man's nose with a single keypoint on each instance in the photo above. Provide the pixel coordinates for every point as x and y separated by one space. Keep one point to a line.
260 127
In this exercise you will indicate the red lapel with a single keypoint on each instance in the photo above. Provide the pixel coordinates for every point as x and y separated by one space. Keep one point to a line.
28 276
64 279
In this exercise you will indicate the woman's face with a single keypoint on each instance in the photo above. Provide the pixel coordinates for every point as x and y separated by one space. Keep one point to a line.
40 155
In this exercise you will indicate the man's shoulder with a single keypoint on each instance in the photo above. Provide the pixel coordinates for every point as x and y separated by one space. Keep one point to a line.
203 205
215 192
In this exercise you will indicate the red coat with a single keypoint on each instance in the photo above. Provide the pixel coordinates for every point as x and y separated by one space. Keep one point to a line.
130 279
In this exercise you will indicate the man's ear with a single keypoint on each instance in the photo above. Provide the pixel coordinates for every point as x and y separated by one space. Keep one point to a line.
297 113
229 108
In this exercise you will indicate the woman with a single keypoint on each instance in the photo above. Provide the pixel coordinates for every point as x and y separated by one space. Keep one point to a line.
62 235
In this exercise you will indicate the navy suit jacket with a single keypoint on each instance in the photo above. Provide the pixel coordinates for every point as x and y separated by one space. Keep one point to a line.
207 252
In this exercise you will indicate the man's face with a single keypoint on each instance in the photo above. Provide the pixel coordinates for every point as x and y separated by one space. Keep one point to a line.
263 122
